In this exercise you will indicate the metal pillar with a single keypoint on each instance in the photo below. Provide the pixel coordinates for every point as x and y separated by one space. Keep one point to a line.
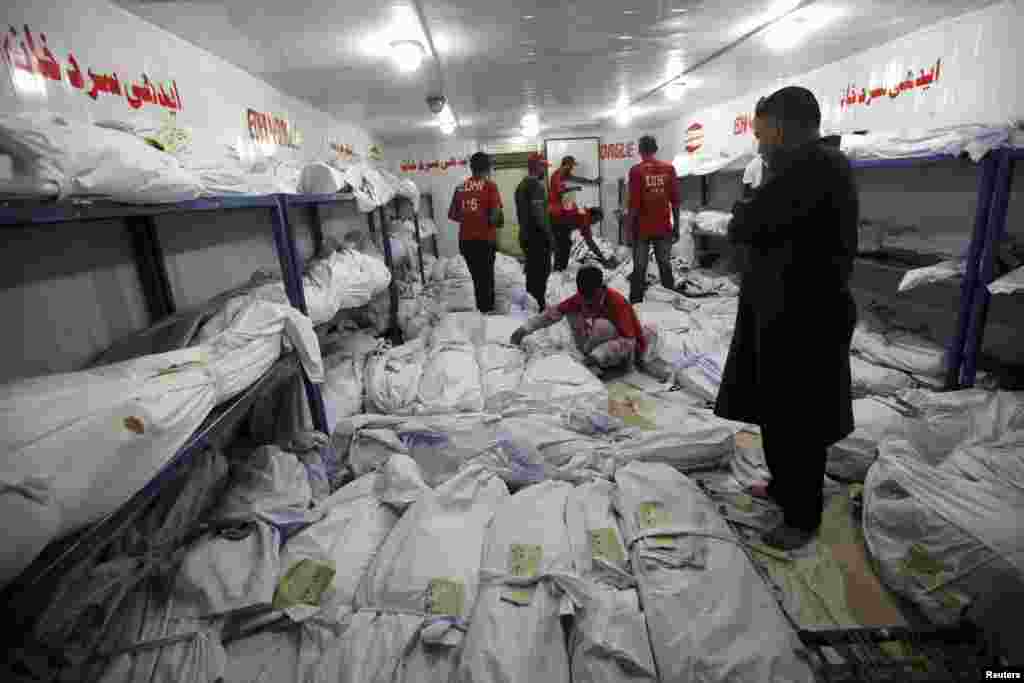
955 355
151 266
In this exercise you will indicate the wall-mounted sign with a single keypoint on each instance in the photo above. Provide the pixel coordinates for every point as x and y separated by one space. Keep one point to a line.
375 153
853 96
269 129
621 150
31 64
343 151
694 137
437 166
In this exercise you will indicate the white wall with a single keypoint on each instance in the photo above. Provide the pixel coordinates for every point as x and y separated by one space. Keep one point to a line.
73 288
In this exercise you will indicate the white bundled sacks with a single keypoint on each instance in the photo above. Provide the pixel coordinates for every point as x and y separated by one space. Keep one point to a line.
393 378
555 339
561 286
439 444
516 632
414 604
82 159
713 221
709 614
1009 283
558 377
501 372
564 453
510 287
342 389
874 419
609 641
949 541
452 285
947 419
75 446
897 348
940 272
451 382
320 178
699 441
869 378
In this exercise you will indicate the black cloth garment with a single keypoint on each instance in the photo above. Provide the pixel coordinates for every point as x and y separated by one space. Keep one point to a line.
538 269
797 466
641 258
480 255
563 244
788 367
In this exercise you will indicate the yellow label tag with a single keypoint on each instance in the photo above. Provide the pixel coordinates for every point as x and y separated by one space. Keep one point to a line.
653 515
523 562
304 583
446 597
604 543
918 561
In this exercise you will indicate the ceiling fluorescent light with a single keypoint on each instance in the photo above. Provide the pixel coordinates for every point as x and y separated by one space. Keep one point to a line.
623 115
530 120
674 91
447 128
408 55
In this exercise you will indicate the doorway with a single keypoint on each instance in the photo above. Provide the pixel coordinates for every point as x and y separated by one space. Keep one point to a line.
509 171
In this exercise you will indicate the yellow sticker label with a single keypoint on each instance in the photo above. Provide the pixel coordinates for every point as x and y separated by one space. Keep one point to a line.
653 515
918 561
304 584
446 597
523 562
604 543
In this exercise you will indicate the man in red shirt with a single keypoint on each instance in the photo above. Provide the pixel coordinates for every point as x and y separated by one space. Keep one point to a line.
476 207
565 215
653 216
604 325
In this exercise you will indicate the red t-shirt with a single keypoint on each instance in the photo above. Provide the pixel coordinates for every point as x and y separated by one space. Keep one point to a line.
653 191
615 309
555 191
471 207
581 219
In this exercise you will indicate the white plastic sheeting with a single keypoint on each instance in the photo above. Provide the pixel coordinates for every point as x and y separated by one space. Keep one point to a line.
975 140
873 419
948 537
940 272
77 445
716 222
709 613
516 632
82 159
1009 283
414 604
609 641
883 344
876 379
230 175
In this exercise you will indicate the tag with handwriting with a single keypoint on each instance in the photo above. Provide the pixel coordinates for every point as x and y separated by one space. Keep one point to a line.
524 562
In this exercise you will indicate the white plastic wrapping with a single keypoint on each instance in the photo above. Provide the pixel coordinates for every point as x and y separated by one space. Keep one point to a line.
88 160
420 589
709 614
881 344
527 543
713 221
1008 284
609 641
940 272
874 419
974 140
78 445
871 379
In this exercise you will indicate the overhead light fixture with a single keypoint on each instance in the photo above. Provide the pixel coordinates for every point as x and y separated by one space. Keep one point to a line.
792 30
623 113
528 17
447 127
530 120
629 11
408 55
679 10
625 37
674 91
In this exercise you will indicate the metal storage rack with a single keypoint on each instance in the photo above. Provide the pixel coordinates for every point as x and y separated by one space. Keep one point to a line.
994 172
25 593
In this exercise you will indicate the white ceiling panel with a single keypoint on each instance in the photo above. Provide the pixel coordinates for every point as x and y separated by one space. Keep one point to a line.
571 61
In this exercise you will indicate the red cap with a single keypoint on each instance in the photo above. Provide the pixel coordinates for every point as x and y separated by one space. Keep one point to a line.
536 161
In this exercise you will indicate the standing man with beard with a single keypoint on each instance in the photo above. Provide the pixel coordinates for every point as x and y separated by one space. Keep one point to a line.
788 368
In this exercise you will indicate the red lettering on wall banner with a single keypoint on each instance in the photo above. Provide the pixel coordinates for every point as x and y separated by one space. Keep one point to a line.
615 151
268 129
853 96
26 57
436 166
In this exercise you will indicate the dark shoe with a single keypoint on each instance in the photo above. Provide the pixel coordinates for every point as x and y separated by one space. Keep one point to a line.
785 537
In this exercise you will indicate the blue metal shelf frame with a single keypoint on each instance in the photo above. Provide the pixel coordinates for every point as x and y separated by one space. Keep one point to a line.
1002 165
995 170
42 574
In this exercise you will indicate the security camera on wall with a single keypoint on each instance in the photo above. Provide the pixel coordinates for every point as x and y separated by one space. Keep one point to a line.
436 103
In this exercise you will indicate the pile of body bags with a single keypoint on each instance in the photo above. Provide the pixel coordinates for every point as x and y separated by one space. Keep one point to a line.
389 578
75 446
372 187
449 288
455 392
943 505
